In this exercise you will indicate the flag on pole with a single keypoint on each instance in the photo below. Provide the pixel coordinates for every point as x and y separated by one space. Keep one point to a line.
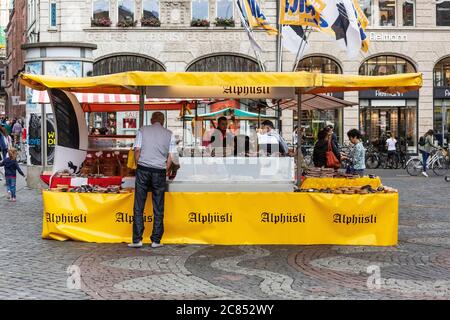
256 47
293 38
302 12
342 21
362 24
256 17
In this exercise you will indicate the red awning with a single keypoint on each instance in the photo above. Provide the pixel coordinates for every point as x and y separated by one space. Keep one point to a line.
102 102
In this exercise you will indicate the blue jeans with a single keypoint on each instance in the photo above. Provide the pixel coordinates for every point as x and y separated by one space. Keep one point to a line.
11 186
425 156
154 181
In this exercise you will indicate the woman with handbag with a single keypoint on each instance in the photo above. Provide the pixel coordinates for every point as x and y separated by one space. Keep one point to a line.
325 153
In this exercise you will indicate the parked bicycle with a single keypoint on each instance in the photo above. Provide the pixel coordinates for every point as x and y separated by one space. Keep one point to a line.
438 161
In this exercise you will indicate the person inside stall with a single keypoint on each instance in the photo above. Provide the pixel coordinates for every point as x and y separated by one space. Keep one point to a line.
95 131
220 139
270 141
103 131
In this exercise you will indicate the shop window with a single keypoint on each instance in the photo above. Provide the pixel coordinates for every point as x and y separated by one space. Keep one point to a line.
224 63
441 73
367 7
385 13
385 65
443 12
225 9
100 9
408 10
319 64
200 9
442 121
126 10
53 15
151 9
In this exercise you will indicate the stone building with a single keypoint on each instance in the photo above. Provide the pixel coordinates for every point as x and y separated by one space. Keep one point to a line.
405 35
15 35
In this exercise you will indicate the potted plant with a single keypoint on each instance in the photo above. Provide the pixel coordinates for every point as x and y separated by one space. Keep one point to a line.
221 22
199 23
101 22
150 22
126 23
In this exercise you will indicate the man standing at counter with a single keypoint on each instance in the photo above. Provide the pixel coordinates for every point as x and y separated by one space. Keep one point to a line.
153 148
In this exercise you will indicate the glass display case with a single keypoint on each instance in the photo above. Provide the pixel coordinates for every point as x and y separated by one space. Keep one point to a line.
104 143
234 174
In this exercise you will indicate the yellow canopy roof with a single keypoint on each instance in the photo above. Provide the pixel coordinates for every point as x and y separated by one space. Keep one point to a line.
128 82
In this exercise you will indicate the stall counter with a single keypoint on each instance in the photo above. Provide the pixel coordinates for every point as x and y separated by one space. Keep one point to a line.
228 218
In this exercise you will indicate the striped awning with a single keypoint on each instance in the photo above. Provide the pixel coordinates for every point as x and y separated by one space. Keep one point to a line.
98 98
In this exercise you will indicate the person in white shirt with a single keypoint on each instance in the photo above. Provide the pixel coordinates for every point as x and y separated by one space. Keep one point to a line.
391 145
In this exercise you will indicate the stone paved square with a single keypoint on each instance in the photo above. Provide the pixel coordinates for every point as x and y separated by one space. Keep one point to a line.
417 268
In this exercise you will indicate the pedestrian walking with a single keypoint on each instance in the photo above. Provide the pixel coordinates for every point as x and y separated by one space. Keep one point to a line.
426 145
11 169
5 142
16 132
153 147
391 145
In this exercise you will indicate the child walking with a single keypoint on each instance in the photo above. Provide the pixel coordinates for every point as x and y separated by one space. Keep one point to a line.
11 167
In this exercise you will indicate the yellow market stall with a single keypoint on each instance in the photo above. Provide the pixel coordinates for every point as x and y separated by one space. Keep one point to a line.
225 216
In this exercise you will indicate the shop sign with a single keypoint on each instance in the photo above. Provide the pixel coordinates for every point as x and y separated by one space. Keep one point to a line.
377 94
441 93
394 37
236 92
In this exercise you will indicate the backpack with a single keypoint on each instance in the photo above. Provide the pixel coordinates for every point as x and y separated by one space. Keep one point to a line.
422 141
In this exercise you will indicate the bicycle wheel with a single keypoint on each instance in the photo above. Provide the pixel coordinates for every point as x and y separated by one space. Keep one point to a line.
440 166
372 161
414 167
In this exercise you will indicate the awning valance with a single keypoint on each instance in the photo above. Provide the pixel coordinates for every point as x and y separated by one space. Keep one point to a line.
129 82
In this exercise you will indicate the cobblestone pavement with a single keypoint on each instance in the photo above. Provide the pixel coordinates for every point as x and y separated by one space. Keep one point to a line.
419 267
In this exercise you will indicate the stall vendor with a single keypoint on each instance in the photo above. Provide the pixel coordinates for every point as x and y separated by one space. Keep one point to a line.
220 138
270 140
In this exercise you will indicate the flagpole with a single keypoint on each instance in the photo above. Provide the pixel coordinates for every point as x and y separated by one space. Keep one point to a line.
302 48
251 37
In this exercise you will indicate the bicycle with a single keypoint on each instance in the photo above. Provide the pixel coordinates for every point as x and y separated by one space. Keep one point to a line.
438 161
373 160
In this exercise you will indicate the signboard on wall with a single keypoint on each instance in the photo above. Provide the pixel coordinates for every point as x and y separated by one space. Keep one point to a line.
441 93
236 92
377 94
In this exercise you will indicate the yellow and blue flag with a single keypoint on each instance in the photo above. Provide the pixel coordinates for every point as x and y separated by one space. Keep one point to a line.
302 12
256 17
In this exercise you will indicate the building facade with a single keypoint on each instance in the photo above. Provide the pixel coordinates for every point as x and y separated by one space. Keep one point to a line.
16 36
185 35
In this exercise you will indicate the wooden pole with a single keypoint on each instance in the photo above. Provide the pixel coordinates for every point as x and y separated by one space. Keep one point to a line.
299 138
141 106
